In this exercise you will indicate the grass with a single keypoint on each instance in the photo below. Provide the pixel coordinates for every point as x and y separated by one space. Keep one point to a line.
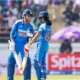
50 77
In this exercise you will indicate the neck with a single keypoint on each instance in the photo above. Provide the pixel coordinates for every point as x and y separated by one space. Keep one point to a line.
25 22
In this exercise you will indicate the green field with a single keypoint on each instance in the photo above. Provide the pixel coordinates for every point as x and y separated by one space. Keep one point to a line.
51 77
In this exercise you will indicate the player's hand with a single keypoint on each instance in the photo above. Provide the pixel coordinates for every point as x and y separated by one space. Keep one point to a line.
26 50
11 45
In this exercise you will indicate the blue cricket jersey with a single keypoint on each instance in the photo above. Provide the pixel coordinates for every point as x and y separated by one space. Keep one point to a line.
42 43
19 31
45 32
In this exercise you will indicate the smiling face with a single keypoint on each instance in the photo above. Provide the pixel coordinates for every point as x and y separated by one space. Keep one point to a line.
27 18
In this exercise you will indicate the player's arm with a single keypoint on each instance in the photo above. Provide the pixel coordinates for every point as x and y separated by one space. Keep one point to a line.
38 33
33 39
12 36
13 32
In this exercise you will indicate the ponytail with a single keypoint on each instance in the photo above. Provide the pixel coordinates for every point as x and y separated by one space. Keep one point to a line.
48 22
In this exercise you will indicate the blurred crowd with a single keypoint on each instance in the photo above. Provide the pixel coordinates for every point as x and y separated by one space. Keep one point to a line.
72 12
11 10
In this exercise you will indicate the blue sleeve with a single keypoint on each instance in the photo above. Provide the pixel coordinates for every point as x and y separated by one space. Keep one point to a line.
32 30
13 31
41 30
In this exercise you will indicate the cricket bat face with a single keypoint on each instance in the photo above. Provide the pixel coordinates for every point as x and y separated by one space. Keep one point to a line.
21 66
18 62
24 65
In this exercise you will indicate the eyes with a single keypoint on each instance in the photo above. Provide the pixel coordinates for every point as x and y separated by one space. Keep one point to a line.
28 15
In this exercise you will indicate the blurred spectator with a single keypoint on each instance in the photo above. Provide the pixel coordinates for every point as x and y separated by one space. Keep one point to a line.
56 2
9 2
24 4
36 7
76 4
1 24
36 10
44 4
69 6
66 47
56 8
39 5
0 6
75 15
3 2
5 14
71 15
14 9
30 4
11 19
63 1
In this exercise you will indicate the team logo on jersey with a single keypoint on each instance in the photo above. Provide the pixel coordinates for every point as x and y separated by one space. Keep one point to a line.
23 31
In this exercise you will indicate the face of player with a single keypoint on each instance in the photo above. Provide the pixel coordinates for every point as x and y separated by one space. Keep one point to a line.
27 18
42 19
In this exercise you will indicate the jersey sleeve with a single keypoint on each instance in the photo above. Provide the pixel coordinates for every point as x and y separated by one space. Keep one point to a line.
32 30
41 29
13 31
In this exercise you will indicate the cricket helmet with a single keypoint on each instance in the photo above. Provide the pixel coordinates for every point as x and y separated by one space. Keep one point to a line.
27 12
43 14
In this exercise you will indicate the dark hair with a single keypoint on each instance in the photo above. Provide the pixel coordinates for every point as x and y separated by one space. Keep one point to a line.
48 22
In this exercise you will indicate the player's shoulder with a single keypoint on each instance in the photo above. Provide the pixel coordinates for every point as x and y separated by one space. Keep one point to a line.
43 25
31 25
19 21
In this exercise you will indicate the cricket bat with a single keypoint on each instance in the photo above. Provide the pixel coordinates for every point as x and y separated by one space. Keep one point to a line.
15 56
17 60
23 66
24 62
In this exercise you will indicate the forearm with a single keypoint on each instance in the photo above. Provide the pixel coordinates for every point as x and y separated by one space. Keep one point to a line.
33 40
13 32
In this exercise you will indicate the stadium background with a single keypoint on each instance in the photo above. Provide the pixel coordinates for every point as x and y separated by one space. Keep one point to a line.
11 10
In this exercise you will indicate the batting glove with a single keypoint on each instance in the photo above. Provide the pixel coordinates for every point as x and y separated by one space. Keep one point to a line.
11 45
26 50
